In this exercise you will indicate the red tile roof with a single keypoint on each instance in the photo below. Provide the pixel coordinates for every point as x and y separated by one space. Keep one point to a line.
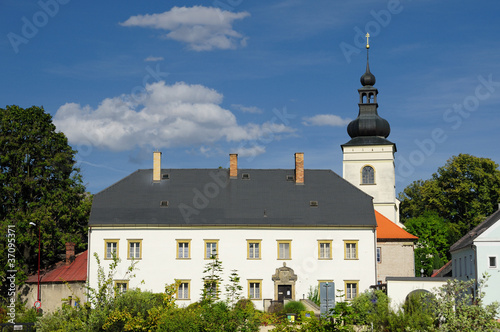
76 271
387 230
437 272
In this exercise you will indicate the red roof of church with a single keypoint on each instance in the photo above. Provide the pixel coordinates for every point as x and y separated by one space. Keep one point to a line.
387 230
76 271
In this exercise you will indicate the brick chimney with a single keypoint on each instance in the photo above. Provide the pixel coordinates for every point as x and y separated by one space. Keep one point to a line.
70 252
233 165
299 168
156 166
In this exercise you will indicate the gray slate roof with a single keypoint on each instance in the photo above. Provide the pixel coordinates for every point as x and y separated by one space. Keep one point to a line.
369 140
208 197
469 238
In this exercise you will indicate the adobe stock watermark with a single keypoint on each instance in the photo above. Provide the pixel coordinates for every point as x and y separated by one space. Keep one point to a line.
31 27
381 19
11 273
454 116
220 178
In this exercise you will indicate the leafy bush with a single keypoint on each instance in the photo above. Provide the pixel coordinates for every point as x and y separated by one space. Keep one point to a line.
295 307
179 320
371 307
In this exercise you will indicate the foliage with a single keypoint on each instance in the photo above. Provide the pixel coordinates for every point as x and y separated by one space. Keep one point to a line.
313 295
463 192
23 313
372 306
306 314
212 280
432 247
103 295
233 289
267 318
458 309
294 307
39 183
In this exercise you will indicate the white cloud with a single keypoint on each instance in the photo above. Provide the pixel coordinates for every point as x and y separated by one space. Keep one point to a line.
165 116
247 109
202 28
325 120
250 151
153 58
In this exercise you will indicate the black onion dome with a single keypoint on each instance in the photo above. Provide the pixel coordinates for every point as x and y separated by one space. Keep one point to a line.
369 125
367 79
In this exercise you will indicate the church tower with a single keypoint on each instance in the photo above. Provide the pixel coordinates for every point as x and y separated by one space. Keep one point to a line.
368 158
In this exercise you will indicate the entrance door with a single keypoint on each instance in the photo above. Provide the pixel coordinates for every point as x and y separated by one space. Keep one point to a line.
284 292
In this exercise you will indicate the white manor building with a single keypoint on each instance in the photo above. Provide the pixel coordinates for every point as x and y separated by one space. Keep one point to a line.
283 230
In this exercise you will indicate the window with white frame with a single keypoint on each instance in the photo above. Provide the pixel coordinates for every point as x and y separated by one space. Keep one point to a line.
351 249
351 289
379 255
211 248
121 286
253 249
325 249
183 290
284 251
254 289
211 288
134 249
492 262
111 249
183 249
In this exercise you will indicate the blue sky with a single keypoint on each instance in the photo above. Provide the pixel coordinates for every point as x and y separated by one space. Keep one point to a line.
198 80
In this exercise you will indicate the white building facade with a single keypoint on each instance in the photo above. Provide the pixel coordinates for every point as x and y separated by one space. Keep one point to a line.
313 254
477 253
284 231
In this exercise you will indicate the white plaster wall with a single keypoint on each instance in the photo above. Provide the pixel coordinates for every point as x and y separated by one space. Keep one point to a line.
159 265
484 250
462 261
52 294
381 158
397 290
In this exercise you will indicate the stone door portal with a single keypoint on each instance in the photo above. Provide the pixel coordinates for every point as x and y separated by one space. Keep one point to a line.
284 283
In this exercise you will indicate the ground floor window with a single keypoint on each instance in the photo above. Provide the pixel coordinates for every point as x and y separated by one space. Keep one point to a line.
254 289
351 289
183 290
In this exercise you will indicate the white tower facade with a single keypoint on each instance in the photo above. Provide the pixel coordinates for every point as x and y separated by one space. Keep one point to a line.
368 158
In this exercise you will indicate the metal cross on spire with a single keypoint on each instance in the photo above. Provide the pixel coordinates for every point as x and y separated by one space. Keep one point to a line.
367 37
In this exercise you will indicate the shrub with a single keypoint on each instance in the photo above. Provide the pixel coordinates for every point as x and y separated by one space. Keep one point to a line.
295 307
244 304
371 307
179 320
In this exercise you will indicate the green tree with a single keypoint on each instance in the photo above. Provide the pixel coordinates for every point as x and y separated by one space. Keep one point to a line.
39 183
432 247
464 191
212 280
233 289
